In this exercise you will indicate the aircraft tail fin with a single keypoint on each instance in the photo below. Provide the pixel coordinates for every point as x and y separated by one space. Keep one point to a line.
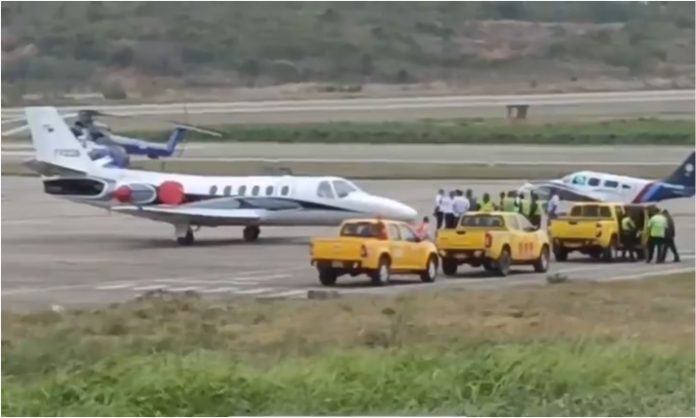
684 175
54 142
175 138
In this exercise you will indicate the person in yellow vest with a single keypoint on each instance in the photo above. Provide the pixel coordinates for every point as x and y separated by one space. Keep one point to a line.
486 204
629 234
510 202
534 211
657 229
501 203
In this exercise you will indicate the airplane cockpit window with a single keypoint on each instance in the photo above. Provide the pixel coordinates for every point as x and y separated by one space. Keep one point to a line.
593 182
241 191
611 183
228 190
269 190
255 190
213 190
343 188
579 180
285 190
324 190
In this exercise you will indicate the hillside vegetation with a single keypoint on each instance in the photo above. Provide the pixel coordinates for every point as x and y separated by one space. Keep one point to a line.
112 45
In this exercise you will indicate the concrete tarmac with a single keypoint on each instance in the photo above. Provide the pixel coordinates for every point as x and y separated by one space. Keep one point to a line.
60 253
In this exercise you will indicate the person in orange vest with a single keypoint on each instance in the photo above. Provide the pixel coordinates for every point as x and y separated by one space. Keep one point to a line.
423 229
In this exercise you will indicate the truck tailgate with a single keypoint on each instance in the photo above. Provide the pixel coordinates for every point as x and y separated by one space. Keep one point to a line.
575 228
346 248
462 239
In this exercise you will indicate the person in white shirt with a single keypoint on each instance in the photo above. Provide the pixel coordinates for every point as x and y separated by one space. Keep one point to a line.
552 207
438 213
460 206
447 209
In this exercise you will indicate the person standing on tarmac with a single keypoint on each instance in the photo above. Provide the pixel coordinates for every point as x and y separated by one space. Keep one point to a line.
552 207
461 206
447 208
629 233
501 204
437 212
534 211
657 229
519 203
473 202
509 203
486 204
669 238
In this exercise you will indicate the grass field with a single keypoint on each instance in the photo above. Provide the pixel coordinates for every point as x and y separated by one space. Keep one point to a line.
623 348
464 131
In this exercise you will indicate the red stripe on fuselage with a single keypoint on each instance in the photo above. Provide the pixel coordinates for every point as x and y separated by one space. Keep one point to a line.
642 192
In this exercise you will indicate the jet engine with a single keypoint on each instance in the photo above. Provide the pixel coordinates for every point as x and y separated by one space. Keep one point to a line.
87 188
135 193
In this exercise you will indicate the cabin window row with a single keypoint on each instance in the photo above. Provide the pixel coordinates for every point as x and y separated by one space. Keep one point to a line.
254 191
594 182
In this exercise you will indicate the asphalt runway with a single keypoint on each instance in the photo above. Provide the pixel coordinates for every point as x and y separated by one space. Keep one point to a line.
665 103
426 153
56 253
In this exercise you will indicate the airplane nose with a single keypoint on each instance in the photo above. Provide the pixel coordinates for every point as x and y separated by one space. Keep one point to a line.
403 212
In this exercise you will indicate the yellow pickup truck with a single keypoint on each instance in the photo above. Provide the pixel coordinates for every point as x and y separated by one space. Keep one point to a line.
378 248
594 229
496 241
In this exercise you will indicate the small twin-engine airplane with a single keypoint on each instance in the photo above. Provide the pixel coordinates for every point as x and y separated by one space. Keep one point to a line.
101 142
188 201
605 187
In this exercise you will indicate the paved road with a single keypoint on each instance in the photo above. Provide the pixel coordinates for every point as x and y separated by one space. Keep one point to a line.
666 103
423 153
58 253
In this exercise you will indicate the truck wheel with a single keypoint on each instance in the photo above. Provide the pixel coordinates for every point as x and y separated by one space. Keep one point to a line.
560 254
503 263
382 274
327 277
449 266
430 273
610 253
541 265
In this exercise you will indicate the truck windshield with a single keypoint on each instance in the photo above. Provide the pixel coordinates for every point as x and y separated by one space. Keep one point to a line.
482 221
362 229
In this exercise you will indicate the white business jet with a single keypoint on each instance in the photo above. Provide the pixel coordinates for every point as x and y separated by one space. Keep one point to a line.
606 187
189 201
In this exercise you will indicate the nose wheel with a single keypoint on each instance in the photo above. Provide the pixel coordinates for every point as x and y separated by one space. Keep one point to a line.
251 233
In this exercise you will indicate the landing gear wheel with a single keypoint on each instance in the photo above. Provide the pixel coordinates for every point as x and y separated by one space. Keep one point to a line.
186 240
382 275
430 273
449 266
251 233
503 262
327 277
541 265
610 253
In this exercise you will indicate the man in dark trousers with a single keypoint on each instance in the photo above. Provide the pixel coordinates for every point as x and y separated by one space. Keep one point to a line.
669 239
439 216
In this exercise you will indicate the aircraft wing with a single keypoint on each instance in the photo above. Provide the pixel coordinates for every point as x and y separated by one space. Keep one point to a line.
233 210
196 216
564 191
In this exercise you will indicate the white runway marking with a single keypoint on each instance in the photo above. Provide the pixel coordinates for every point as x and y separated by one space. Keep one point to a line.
153 287
115 286
183 289
289 293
